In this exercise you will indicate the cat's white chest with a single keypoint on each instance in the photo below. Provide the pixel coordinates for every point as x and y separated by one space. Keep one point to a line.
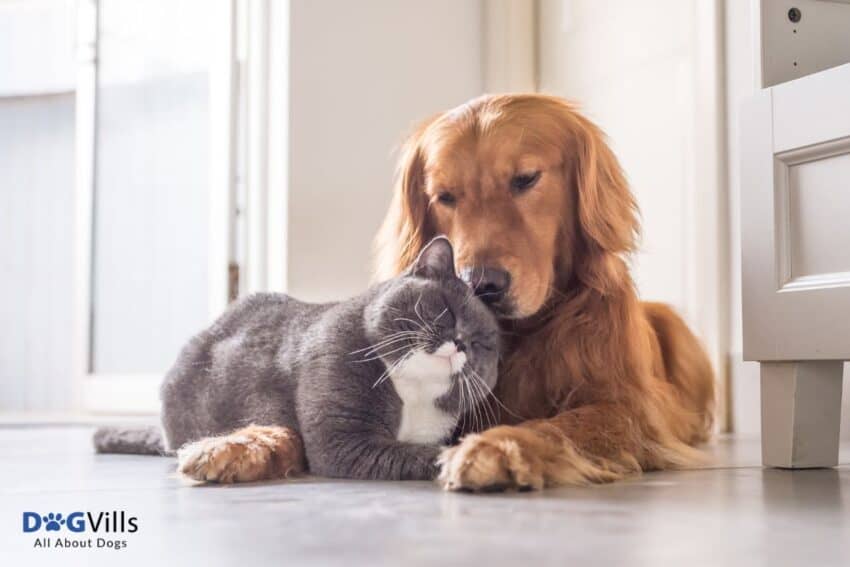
419 382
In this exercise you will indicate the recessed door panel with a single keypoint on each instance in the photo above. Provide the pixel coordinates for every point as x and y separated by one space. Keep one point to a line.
818 217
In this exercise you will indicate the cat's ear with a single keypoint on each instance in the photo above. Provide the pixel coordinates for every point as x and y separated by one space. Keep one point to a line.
436 261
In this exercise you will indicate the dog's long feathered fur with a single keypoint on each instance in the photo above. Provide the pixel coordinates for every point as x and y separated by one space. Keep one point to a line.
607 385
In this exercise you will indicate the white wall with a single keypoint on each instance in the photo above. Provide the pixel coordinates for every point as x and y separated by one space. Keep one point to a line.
741 82
633 69
363 73
647 73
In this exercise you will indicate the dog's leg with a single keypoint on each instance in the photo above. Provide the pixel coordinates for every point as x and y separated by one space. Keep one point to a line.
249 454
596 443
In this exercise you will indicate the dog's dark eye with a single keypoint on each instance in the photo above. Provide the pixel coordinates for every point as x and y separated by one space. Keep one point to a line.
446 198
524 181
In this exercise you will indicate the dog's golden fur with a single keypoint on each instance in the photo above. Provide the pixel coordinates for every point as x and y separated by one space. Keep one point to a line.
607 385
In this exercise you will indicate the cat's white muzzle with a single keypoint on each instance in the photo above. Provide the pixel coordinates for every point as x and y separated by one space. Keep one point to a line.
456 359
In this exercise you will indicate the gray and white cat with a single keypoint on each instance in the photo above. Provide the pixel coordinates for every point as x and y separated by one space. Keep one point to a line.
373 384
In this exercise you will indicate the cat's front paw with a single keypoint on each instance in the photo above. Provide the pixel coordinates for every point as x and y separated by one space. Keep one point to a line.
249 454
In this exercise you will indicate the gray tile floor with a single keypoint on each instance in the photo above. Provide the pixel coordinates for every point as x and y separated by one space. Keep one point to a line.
733 514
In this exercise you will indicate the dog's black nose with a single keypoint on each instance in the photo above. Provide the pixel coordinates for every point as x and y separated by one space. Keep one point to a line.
489 284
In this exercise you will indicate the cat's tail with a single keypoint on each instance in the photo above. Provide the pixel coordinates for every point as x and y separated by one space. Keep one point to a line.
130 440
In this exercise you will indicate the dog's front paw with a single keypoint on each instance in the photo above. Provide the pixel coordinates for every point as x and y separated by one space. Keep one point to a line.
250 454
487 462
224 459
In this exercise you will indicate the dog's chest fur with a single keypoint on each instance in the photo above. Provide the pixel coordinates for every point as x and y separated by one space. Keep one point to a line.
419 382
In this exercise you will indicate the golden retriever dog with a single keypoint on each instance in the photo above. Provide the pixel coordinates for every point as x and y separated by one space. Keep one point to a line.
595 384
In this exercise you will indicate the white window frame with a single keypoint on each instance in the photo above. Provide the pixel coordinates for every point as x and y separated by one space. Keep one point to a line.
263 53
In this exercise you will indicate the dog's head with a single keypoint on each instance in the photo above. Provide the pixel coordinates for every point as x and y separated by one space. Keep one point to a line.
528 192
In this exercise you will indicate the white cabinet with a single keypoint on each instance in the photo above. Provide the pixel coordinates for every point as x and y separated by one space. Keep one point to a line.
795 199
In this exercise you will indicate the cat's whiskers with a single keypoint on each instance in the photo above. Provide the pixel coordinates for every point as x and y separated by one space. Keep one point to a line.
390 338
379 349
389 369
419 325
443 312
470 404
495 398
483 391
392 367
395 342
384 354
478 414
484 417
462 405
474 287
470 410
476 419
421 318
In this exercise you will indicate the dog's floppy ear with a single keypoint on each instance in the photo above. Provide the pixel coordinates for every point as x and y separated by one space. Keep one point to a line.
607 212
406 227
602 205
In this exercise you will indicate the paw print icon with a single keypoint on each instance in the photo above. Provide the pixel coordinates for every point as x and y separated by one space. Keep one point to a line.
52 522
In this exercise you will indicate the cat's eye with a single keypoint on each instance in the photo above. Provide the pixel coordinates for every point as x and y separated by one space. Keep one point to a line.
480 345
524 181
446 198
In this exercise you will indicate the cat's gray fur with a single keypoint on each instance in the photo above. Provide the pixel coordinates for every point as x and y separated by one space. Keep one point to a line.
132 440
274 360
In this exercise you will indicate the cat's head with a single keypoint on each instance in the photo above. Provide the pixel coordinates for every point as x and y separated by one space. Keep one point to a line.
427 324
